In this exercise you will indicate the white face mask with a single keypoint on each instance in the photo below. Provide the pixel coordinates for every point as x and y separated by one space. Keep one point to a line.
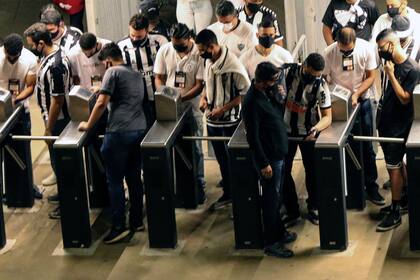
227 26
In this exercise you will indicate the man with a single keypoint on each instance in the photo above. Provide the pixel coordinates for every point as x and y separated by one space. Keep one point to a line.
179 65
63 36
52 88
122 89
86 68
238 36
267 138
361 15
225 81
307 92
396 7
156 24
139 52
75 9
351 63
395 116
404 30
18 68
266 50
254 12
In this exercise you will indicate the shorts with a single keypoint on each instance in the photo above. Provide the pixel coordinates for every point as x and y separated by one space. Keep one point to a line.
394 152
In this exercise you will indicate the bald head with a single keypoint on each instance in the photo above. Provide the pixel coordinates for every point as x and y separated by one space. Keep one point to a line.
346 36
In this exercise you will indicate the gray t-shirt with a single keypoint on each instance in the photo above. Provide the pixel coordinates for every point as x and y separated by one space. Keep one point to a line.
126 89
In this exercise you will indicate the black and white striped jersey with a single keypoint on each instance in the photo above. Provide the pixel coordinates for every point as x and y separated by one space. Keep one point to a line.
143 58
53 79
69 39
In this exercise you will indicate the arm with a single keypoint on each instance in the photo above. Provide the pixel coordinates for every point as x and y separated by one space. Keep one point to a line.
98 110
218 112
366 84
194 91
55 108
203 100
403 96
30 81
328 37
160 80
325 121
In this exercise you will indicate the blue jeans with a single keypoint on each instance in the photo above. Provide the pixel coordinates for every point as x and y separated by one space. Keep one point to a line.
198 149
121 152
272 197
59 126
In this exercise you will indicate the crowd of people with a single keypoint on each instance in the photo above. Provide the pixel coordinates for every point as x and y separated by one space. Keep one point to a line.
235 69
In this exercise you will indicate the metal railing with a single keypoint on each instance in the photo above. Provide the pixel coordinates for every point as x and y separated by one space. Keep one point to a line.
300 51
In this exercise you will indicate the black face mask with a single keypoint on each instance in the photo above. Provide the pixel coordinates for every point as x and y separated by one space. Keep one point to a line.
266 41
180 48
253 8
138 43
385 55
55 34
206 55
307 78
347 53
392 12
36 52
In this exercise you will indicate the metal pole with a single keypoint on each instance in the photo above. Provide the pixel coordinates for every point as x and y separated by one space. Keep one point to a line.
16 157
378 139
33 138
353 156
208 138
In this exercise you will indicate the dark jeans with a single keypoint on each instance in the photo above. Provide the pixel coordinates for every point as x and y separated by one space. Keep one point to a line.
149 112
59 126
291 203
76 20
369 156
121 152
221 153
271 202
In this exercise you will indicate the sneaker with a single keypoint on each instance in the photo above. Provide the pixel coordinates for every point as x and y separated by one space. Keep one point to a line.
375 197
139 228
37 193
278 250
116 235
312 216
289 237
387 209
54 199
50 180
202 197
290 221
55 214
222 202
391 221
387 185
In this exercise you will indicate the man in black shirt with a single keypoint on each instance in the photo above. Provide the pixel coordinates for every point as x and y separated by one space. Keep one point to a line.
361 15
267 138
395 116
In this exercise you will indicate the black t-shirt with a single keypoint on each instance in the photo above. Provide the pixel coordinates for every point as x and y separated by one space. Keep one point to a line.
361 17
394 117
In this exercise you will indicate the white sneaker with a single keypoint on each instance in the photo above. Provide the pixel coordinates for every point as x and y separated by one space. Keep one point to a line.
50 180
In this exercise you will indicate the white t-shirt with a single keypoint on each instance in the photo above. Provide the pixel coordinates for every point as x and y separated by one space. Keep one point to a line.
364 58
238 3
85 68
27 64
168 62
251 58
238 40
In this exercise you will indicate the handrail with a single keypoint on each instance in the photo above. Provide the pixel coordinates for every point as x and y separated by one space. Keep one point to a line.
299 52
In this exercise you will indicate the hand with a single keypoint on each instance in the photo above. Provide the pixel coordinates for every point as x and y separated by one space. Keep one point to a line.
48 132
389 68
354 100
216 113
65 6
267 172
203 104
311 135
83 126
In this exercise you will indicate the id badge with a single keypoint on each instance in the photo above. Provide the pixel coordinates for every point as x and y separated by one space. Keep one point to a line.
180 79
96 81
14 86
348 63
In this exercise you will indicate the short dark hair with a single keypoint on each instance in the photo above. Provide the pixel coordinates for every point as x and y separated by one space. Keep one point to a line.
13 44
384 33
37 32
346 35
315 61
51 16
139 21
267 22
180 31
87 41
266 71
46 8
206 37
225 8
110 50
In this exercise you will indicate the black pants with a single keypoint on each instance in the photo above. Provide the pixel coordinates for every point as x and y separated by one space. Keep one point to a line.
291 203
76 20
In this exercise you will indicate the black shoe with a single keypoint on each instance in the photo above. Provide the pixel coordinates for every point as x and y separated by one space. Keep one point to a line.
202 196
278 250
139 228
117 235
312 216
289 237
391 221
222 202
375 197
54 199
37 193
387 209
387 185
4 200
291 220
55 214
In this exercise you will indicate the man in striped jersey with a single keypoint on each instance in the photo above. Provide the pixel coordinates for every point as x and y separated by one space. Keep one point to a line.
64 36
306 92
139 50
52 88
254 12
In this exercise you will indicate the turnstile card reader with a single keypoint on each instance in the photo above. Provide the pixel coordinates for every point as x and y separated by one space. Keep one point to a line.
81 103
168 104
341 100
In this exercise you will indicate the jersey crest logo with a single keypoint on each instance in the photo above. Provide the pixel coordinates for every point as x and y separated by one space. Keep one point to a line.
241 46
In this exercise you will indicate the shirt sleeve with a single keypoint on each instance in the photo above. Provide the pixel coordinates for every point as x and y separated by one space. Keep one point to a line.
328 18
412 80
73 64
242 83
33 66
160 65
327 69
243 59
288 57
200 70
108 82
372 62
58 80
324 96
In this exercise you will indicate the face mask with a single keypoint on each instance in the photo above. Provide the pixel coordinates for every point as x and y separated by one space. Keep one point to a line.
36 52
206 55
392 12
308 78
138 43
180 48
386 55
253 8
347 53
55 34
227 26
266 41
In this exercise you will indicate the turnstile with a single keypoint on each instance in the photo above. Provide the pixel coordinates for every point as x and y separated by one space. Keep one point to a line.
169 168
246 201
74 172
